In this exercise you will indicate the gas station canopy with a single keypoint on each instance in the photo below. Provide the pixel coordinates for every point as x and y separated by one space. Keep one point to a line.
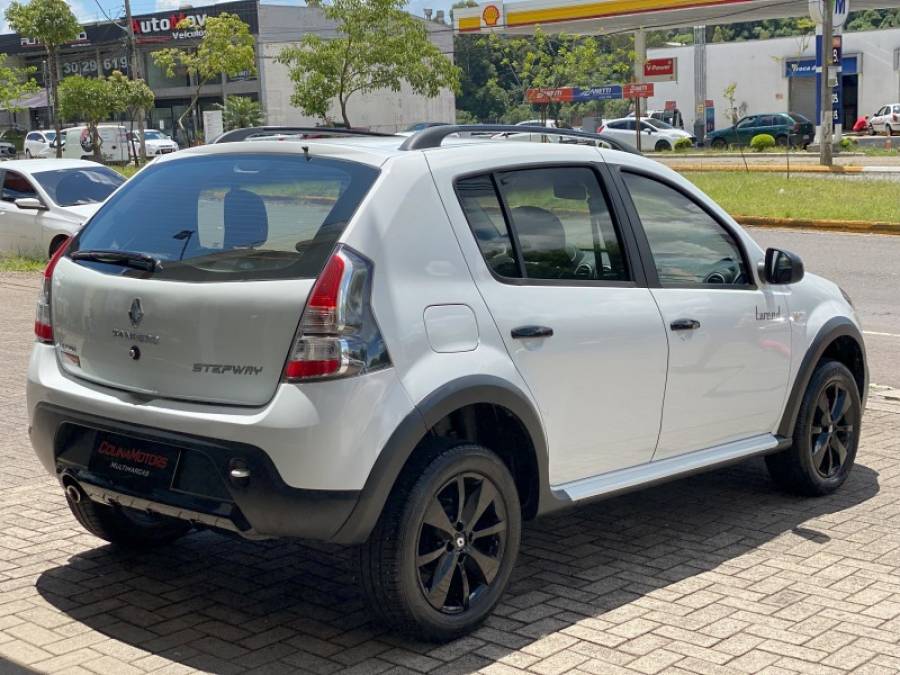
599 17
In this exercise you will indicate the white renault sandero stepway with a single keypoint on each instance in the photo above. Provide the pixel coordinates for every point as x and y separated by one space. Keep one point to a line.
415 346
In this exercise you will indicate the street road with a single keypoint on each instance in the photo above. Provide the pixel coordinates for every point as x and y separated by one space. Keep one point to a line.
866 267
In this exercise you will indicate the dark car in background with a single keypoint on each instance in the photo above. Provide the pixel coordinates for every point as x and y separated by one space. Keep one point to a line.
785 128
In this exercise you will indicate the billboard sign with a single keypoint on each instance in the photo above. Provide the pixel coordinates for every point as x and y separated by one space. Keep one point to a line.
839 17
661 70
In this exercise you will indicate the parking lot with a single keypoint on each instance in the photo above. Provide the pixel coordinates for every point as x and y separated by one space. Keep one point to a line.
714 574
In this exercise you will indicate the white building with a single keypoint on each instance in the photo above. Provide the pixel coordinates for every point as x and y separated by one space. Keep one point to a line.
778 75
282 26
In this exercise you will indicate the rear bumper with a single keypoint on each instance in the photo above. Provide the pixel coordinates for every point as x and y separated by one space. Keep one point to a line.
310 450
202 490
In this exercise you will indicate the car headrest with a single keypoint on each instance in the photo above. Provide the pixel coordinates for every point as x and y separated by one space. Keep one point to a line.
538 229
245 219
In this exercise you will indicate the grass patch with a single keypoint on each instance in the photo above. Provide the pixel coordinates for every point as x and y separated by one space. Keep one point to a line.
128 170
17 263
825 198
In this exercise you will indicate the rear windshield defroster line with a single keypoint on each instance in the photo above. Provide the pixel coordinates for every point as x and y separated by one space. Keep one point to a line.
232 217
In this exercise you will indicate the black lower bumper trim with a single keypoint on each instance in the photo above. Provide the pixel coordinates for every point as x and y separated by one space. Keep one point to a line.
260 506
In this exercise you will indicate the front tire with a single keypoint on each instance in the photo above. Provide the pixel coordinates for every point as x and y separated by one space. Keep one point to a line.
888 129
826 435
27 153
441 555
122 527
662 146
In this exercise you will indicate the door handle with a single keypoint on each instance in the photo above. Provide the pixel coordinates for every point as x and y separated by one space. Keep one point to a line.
531 332
684 324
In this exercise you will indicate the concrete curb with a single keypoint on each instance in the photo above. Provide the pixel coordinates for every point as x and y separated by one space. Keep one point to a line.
782 168
855 226
772 168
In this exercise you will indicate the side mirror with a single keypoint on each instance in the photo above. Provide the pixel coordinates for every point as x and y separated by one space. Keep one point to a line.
781 267
31 203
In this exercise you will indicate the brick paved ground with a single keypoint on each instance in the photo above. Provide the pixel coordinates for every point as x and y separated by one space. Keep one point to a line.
714 574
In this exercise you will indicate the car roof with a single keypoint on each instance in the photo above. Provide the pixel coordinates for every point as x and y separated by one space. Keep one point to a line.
37 165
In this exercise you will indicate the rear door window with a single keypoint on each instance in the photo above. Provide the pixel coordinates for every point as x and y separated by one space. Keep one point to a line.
558 224
231 217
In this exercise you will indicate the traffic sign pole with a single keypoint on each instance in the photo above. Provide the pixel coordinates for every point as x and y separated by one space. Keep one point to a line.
640 58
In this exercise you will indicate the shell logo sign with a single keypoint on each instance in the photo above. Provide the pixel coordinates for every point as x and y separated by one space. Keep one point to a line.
488 16
491 15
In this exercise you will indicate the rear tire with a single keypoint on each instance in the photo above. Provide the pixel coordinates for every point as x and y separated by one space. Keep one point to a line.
662 146
719 144
781 141
441 554
27 154
125 528
826 435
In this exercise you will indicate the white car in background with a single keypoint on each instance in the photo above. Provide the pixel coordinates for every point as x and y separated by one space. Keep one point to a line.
44 201
886 120
155 141
38 143
655 134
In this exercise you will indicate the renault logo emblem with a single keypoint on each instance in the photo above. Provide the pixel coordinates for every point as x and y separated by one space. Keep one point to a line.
136 313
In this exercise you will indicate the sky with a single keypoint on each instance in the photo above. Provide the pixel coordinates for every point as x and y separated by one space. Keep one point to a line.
93 10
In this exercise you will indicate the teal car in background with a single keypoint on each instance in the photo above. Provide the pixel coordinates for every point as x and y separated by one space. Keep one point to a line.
785 128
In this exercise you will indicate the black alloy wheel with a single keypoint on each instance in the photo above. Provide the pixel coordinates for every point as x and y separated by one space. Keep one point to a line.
831 432
462 539
443 550
825 437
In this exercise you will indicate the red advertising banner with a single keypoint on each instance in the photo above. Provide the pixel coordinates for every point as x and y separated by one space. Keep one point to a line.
637 90
547 95
661 70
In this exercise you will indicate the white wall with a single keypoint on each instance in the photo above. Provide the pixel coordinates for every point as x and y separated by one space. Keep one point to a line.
758 69
384 110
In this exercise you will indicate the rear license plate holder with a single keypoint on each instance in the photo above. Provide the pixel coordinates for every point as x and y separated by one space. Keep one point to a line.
133 463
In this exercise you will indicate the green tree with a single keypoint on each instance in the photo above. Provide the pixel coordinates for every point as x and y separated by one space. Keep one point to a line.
15 84
89 100
481 95
132 97
551 61
239 112
380 47
227 48
730 95
52 23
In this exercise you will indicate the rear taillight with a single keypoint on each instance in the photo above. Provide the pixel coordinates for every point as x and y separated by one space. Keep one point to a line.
43 324
601 128
338 335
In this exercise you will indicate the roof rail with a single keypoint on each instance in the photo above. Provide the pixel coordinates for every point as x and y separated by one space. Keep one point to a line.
243 134
432 137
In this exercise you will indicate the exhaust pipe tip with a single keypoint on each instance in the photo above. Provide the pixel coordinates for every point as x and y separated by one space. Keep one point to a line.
73 492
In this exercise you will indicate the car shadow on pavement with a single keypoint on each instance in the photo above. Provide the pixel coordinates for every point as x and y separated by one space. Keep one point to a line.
226 605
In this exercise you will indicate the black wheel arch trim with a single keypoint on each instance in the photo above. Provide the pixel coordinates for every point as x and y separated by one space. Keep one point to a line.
452 396
833 329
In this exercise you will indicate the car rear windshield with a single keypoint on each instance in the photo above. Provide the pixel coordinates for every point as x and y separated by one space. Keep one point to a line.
231 217
85 185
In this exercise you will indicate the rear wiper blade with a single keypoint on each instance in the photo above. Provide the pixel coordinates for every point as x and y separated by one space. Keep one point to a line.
139 261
